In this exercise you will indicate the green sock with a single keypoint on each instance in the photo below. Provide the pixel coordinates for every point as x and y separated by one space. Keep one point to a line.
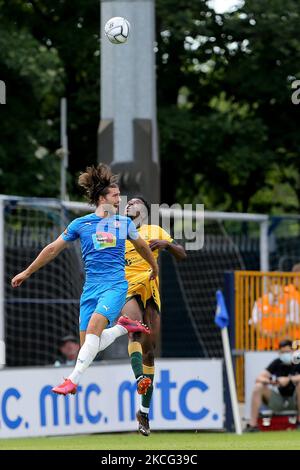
136 358
146 399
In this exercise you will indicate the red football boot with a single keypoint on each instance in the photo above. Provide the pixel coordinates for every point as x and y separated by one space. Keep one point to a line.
142 384
66 387
133 326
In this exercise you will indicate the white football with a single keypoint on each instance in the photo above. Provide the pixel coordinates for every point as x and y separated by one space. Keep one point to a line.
296 357
117 30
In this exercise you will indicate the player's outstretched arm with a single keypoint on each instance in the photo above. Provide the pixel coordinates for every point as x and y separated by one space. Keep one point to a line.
46 255
175 249
143 249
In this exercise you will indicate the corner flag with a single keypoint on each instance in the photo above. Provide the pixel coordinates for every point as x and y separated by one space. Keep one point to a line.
221 317
222 321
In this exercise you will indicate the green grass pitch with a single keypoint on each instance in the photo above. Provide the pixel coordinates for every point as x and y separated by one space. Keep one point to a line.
288 440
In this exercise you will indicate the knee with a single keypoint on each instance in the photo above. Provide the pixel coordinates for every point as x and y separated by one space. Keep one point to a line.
258 388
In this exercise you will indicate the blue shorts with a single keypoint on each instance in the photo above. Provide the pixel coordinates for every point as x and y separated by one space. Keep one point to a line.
106 299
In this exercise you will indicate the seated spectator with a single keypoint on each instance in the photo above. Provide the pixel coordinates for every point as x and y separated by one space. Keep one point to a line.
278 386
68 347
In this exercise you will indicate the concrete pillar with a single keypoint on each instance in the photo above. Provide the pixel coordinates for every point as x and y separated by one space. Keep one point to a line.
127 136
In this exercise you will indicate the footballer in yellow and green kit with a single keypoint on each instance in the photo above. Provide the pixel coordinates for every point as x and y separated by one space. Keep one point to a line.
137 270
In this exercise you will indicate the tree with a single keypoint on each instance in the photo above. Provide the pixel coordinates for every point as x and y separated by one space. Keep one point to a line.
262 70
221 115
224 98
68 31
33 77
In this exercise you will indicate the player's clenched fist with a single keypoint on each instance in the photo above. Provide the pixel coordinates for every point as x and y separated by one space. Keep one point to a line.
19 279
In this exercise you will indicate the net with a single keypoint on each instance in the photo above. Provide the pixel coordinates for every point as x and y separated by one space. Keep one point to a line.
284 243
191 301
45 308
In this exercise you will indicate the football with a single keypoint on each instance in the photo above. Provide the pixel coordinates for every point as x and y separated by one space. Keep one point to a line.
117 30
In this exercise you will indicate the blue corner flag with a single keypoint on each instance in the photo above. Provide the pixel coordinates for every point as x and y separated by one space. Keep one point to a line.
221 317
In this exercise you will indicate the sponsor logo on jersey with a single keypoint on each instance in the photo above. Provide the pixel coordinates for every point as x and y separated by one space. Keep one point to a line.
104 240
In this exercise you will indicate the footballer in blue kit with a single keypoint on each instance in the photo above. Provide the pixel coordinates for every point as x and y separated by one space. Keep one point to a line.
103 251
102 236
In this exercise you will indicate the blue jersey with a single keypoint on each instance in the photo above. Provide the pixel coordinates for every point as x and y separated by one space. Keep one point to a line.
102 245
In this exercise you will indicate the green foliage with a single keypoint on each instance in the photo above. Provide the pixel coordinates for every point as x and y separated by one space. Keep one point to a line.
224 99
48 50
33 76
225 105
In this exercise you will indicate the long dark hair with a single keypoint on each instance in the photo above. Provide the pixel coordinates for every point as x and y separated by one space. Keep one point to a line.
97 181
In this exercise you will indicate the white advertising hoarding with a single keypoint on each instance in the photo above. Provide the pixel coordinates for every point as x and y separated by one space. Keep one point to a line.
255 363
188 394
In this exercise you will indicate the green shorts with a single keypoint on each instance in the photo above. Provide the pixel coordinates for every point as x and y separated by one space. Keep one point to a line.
279 403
